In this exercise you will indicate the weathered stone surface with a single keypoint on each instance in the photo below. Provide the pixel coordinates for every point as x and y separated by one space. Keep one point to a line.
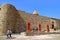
16 20
8 17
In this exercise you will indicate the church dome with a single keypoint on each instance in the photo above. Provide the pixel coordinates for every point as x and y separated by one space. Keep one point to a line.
35 12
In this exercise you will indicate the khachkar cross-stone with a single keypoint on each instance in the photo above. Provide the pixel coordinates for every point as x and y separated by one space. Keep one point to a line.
39 28
47 28
28 27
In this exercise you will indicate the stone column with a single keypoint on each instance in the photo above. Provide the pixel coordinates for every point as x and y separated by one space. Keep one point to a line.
28 27
47 28
39 28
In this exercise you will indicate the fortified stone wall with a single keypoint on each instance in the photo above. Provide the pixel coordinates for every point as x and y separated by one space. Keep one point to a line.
56 23
16 20
7 18
35 20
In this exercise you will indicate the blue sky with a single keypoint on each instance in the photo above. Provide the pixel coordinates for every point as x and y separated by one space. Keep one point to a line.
49 8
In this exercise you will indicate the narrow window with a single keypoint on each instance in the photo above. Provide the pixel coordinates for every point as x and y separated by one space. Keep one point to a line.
0 8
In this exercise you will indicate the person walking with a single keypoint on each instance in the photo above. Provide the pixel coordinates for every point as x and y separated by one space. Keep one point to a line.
9 32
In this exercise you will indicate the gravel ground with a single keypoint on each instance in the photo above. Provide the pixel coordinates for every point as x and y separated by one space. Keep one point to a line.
36 37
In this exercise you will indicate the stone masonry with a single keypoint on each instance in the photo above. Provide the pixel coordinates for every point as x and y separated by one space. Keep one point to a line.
16 20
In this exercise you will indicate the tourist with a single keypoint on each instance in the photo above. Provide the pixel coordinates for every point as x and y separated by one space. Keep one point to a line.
9 32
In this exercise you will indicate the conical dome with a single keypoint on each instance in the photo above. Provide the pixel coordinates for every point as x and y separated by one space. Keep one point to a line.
35 12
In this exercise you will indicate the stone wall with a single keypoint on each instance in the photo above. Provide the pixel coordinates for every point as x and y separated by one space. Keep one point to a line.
35 20
16 20
7 18
56 23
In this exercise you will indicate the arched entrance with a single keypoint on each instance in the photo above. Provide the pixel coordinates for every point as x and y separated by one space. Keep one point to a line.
52 25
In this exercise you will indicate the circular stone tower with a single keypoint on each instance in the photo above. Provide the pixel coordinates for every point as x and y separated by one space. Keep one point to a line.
7 18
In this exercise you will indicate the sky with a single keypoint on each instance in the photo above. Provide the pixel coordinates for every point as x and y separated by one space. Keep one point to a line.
48 8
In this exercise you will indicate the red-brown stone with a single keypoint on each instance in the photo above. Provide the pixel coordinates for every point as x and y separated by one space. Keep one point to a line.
39 28
28 27
47 28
